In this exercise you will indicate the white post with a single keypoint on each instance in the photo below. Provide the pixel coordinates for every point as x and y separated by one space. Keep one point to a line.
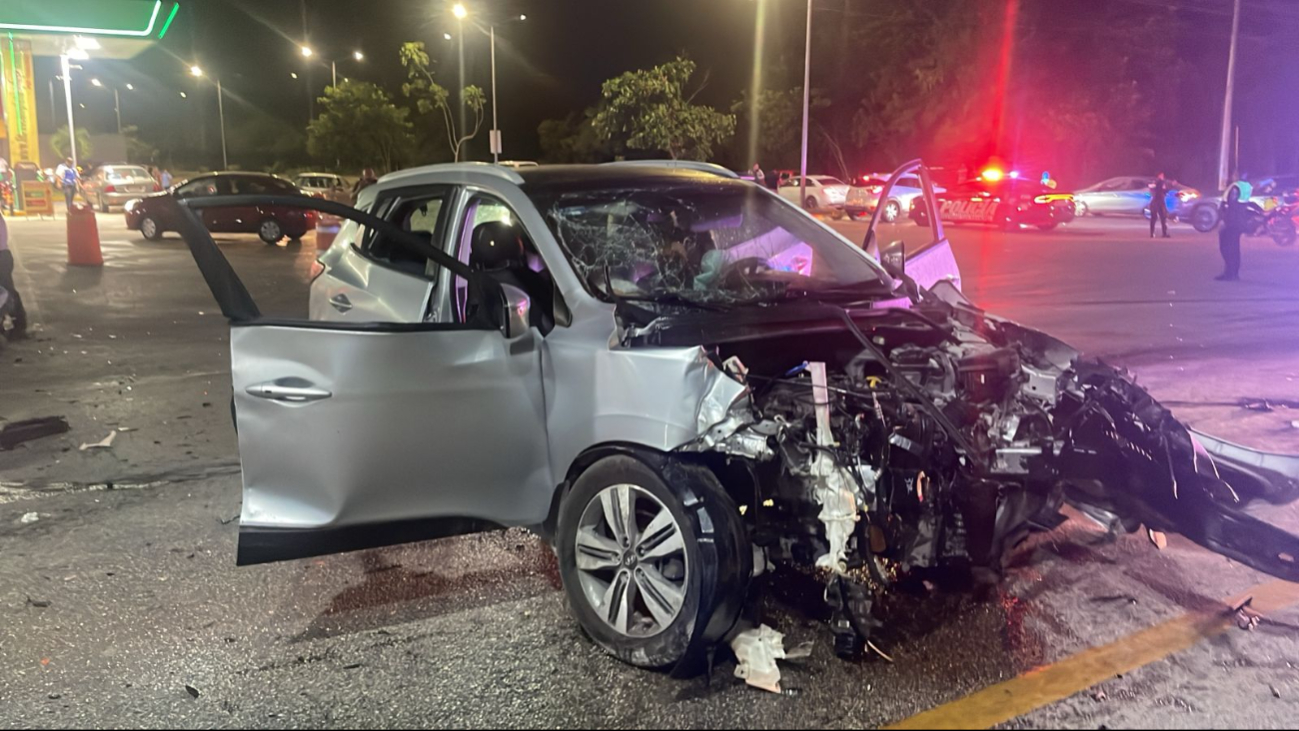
333 72
117 106
496 132
221 112
67 94
807 104
1224 149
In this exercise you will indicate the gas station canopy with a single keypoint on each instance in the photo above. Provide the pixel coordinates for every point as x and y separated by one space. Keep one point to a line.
123 28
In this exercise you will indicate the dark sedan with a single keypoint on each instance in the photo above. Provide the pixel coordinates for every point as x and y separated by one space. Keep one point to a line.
1007 203
157 214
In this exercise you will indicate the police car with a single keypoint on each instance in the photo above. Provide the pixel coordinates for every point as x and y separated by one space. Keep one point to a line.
1007 202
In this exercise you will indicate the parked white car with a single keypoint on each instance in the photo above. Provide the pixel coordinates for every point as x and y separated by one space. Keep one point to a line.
863 199
823 191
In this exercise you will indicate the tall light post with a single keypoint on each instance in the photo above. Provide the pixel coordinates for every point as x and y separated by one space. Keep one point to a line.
1224 146
197 72
117 102
807 105
65 65
494 135
460 13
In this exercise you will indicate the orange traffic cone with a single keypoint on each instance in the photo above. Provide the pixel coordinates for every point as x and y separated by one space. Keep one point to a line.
83 237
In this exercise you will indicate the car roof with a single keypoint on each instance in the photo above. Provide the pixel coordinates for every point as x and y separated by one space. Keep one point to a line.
319 175
610 176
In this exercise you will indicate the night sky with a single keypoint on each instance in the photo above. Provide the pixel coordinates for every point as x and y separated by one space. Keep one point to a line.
553 63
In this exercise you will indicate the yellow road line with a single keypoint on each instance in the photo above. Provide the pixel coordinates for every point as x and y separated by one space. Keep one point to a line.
1032 690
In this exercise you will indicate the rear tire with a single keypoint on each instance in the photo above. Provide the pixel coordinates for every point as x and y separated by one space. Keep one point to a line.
150 228
810 204
270 232
640 599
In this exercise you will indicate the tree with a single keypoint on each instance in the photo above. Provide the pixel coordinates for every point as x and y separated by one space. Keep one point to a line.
359 126
430 95
137 150
649 110
59 143
780 126
575 140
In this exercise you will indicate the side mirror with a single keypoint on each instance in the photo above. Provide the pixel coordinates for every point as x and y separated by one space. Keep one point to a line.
515 319
894 259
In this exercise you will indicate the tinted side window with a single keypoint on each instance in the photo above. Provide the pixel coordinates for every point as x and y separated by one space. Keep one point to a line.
424 215
202 186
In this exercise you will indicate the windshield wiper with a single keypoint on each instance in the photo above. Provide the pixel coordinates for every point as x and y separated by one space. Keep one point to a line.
860 292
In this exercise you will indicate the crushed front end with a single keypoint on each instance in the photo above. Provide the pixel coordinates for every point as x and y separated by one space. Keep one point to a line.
876 443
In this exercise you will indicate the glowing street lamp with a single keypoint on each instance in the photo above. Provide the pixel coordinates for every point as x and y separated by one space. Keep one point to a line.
357 55
459 11
197 71
96 82
307 52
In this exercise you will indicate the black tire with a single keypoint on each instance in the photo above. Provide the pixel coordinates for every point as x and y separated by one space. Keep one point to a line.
1080 209
714 509
810 203
1204 218
103 207
270 231
1048 226
150 228
892 211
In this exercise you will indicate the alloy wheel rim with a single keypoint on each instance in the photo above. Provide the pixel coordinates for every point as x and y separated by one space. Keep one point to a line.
631 561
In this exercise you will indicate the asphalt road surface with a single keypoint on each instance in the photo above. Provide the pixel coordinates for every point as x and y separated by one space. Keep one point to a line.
120 604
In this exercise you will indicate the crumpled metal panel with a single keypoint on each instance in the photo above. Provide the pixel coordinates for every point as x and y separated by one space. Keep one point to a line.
599 393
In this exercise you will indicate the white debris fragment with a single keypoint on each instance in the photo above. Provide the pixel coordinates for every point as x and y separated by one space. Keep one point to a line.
104 443
757 651
29 518
834 488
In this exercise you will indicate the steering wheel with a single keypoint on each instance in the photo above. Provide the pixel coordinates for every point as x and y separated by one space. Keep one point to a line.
745 268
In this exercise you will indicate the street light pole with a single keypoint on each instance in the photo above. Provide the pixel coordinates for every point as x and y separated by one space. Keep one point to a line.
117 107
221 112
67 94
807 105
333 72
496 132
1224 148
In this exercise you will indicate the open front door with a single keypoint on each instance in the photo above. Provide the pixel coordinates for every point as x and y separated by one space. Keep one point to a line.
929 254
354 435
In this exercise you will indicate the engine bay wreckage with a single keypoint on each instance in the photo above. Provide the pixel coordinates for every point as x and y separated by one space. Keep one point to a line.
867 439
882 442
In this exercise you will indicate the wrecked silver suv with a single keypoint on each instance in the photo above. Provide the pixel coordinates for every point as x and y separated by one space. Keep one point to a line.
681 380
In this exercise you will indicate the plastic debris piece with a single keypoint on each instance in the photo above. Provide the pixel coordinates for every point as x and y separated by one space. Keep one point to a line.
800 652
1158 538
757 651
878 651
104 443
38 603
29 518
193 692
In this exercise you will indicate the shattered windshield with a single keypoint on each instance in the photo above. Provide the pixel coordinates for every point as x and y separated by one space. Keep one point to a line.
716 242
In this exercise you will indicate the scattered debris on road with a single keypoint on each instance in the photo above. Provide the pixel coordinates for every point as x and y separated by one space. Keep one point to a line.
1246 618
104 443
38 603
29 518
756 651
17 432
1158 538
193 692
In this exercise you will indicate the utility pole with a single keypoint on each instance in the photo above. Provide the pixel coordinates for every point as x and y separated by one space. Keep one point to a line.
117 107
807 105
1224 149
221 112
496 132
67 93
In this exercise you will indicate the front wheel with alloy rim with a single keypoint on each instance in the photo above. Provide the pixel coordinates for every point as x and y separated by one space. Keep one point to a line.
1080 209
1204 217
631 560
270 231
150 229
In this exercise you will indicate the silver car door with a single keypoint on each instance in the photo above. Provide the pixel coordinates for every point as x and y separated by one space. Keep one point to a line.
358 435
929 257
368 278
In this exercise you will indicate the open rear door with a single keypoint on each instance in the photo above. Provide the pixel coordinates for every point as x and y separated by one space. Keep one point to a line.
929 254
354 435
